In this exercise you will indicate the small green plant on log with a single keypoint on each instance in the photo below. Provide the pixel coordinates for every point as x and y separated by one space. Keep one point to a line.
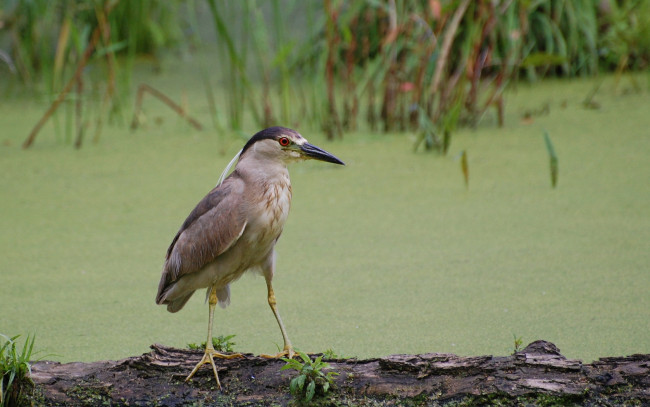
311 378
517 343
331 354
14 369
220 343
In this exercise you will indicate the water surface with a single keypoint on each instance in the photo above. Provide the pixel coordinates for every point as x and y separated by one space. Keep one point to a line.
390 254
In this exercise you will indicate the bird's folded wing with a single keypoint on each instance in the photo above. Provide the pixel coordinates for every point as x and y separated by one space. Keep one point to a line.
211 228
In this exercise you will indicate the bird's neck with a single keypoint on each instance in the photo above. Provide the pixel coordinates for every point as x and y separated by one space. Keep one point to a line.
266 172
268 182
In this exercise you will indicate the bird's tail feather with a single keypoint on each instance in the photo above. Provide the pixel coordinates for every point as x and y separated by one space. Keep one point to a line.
178 303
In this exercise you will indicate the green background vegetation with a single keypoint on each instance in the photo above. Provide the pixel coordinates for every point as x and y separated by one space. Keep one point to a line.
390 254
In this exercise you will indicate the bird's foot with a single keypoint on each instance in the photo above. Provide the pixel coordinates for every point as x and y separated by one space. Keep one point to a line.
208 357
288 352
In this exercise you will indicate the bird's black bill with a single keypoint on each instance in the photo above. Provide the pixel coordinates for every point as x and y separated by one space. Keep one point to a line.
317 153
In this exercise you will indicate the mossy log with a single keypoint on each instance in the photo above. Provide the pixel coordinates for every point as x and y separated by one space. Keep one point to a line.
537 375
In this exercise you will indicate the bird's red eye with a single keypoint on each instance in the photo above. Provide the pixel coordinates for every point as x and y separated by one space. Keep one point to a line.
284 141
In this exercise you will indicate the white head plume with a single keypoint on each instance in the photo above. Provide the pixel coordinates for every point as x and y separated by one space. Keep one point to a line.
228 167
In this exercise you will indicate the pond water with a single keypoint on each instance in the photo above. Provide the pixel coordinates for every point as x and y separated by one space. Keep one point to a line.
390 254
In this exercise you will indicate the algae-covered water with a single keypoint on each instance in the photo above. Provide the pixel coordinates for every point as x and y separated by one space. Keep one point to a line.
390 254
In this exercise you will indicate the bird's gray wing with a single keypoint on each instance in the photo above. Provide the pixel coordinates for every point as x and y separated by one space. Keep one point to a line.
211 228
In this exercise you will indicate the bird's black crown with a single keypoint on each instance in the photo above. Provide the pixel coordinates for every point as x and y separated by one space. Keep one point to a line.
270 133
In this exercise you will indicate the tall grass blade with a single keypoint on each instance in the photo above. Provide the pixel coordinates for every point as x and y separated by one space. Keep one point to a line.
464 165
240 86
15 369
553 159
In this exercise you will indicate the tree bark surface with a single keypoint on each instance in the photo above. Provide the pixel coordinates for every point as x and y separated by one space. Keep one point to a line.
536 375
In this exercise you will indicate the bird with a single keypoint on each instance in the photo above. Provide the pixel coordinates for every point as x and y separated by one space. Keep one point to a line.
234 228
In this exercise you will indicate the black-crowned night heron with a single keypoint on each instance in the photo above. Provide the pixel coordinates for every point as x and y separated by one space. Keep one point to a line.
234 229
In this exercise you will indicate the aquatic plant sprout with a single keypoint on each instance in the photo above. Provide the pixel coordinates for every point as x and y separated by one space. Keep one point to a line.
228 167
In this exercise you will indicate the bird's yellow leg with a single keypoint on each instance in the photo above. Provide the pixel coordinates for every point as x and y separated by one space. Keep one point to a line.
210 353
288 349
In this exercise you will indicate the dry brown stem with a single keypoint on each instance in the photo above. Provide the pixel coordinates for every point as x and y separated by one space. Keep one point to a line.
166 100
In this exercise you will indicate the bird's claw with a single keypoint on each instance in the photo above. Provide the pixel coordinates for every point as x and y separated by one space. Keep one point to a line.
288 352
208 357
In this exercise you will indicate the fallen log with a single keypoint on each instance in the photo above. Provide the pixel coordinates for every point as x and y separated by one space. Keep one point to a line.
537 375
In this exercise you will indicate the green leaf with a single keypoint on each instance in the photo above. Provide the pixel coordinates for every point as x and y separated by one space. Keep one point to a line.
292 364
311 390
304 357
538 59
293 385
111 49
301 381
